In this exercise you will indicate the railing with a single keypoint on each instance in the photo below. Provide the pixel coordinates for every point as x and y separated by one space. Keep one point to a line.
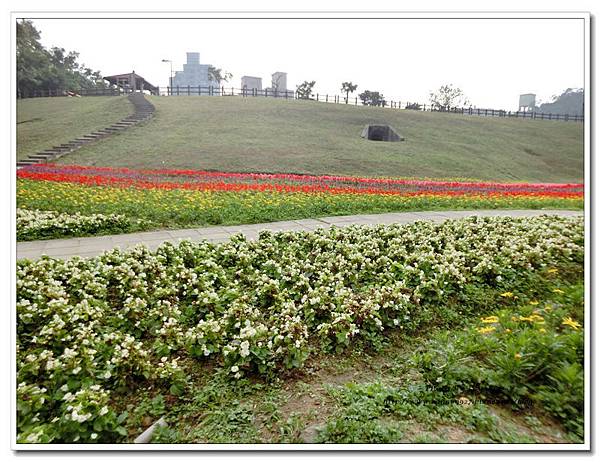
355 101
292 95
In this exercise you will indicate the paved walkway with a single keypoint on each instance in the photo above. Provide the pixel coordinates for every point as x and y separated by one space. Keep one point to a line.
92 246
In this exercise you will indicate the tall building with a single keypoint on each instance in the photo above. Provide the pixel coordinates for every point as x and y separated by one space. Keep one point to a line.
194 74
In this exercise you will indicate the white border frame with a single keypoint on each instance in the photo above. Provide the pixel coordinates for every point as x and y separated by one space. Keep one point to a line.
357 14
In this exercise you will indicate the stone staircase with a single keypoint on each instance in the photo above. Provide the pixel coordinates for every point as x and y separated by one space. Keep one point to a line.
143 110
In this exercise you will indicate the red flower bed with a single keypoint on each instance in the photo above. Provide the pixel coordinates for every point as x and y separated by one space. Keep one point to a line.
225 181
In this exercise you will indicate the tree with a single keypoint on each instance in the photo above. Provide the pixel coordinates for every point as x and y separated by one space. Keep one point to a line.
348 87
569 102
446 97
304 90
372 98
54 69
218 75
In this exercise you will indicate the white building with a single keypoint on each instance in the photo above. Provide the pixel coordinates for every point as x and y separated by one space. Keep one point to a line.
195 75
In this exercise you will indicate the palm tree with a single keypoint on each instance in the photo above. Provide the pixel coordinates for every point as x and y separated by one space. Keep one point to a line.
348 87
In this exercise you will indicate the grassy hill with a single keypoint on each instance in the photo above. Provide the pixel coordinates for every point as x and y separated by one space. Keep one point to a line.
268 135
46 122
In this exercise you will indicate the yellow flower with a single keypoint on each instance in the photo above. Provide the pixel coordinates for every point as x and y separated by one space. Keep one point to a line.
508 331
533 318
517 356
507 294
534 302
542 330
490 319
558 291
486 330
553 270
569 322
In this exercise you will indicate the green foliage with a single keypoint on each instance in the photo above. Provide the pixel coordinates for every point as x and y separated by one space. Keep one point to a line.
36 224
217 75
571 101
182 208
90 328
348 87
372 98
41 69
446 97
525 354
304 90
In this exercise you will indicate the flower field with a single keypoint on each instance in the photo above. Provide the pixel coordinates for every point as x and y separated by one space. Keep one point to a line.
93 331
179 198
33 224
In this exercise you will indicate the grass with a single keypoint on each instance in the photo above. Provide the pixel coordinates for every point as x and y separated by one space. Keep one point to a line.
46 122
267 135
375 396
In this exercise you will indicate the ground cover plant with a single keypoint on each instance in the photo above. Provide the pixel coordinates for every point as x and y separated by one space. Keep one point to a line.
260 134
33 224
46 122
174 198
91 332
527 355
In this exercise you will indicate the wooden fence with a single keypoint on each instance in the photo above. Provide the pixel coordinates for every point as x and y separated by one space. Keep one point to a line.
292 95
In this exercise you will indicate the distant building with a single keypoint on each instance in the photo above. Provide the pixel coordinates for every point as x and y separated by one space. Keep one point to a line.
194 74
279 86
131 82
279 81
251 84
527 102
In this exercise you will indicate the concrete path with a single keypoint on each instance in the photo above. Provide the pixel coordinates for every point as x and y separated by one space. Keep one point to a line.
92 246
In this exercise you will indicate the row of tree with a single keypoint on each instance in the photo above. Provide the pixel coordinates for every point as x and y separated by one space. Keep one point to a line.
446 96
39 68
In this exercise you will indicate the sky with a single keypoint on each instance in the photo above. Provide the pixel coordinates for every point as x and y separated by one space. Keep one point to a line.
491 60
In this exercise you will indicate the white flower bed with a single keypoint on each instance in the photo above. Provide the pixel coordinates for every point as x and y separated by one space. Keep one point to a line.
88 326
36 224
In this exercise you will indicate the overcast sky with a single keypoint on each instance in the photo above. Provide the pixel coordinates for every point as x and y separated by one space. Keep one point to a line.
491 60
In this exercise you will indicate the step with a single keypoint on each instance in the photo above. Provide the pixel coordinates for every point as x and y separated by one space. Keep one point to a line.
41 154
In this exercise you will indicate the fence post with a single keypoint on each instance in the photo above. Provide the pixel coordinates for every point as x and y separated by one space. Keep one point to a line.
317 97
356 100
231 91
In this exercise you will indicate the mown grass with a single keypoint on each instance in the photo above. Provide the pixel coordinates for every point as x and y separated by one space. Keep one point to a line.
46 122
386 395
268 135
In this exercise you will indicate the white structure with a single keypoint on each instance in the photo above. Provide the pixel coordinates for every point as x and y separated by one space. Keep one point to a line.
251 84
279 82
194 74
527 102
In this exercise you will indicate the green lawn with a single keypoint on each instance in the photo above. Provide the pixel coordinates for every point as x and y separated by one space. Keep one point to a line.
46 122
267 135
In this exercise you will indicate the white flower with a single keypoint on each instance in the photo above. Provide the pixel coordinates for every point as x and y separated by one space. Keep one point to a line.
234 368
94 436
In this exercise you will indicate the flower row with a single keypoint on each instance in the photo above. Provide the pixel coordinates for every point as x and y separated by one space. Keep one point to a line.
36 224
222 181
87 327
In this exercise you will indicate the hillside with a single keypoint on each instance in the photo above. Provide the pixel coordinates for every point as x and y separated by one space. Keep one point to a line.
46 122
267 135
